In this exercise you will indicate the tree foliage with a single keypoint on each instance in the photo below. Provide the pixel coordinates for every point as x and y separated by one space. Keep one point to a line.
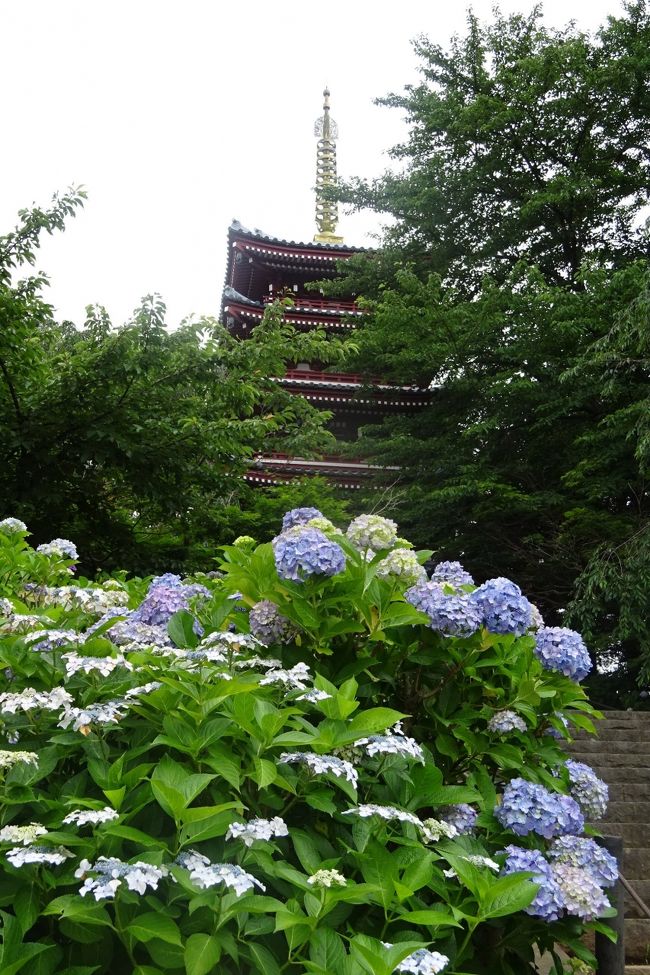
514 281
134 439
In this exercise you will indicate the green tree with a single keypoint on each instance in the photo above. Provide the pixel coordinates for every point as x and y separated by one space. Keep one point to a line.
510 282
130 440
524 143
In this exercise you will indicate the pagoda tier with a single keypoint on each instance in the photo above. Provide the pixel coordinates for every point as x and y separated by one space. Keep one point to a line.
261 269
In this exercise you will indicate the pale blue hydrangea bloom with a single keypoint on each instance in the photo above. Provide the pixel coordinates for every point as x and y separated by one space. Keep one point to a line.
299 516
563 650
503 607
527 807
582 896
112 873
452 614
301 552
548 902
268 625
372 532
580 851
503 722
401 564
257 829
452 573
391 743
590 792
62 548
12 526
460 815
421 962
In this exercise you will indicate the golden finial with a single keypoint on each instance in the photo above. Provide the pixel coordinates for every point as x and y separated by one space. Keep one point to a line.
326 131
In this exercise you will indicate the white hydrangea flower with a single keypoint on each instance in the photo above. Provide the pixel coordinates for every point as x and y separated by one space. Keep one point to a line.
110 712
205 874
230 641
90 600
421 962
81 817
257 829
314 696
45 640
22 834
74 663
481 861
327 878
266 663
20 623
322 765
55 856
113 872
294 678
434 829
148 688
29 699
384 812
392 742
11 525
9 759
6 607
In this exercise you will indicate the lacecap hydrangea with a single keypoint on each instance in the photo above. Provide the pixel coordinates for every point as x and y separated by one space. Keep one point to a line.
503 607
563 650
527 807
372 532
454 614
301 552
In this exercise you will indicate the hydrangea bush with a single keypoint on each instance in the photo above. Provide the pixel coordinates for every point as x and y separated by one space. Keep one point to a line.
317 760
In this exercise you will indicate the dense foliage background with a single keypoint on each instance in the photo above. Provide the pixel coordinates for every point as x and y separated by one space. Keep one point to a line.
513 280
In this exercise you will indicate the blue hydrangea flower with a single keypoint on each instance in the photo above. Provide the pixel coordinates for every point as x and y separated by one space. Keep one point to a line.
580 851
161 602
461 816
590 792
301 552
452 614
372 532
506 721
582 895
561 649
502 606
169 579
452 573
62 548
548 902
11 526
527 807
268 625
299 516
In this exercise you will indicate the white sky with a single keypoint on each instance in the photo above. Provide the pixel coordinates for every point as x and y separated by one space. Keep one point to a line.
178 115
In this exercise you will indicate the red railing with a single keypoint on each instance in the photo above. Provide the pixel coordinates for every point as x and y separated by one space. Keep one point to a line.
332 377
315 304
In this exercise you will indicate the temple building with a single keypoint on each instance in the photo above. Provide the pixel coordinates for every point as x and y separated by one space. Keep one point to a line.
260 269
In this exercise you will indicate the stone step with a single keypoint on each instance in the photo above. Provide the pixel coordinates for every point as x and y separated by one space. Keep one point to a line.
637 970
629 812
634 834
637 939
636 863
617 759
623 773
607 746
629 791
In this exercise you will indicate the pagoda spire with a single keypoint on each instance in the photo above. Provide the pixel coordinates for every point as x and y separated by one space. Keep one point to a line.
326 131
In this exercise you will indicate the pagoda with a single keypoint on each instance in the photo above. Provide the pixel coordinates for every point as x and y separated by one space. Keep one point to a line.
260 269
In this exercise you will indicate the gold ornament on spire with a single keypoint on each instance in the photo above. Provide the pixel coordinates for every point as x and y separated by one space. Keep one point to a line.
327 133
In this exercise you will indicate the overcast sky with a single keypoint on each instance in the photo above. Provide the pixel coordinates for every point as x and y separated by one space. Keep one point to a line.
178 116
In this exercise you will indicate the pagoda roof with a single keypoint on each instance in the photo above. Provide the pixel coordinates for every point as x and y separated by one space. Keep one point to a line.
237 229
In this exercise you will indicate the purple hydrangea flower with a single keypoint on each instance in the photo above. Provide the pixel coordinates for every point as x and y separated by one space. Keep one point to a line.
162 601
461 816
580 851
503 607
581 894
561 649
506 721
299 516
452 614
590 792
530 808
452 573
548 902
169 579
301 552
268 625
